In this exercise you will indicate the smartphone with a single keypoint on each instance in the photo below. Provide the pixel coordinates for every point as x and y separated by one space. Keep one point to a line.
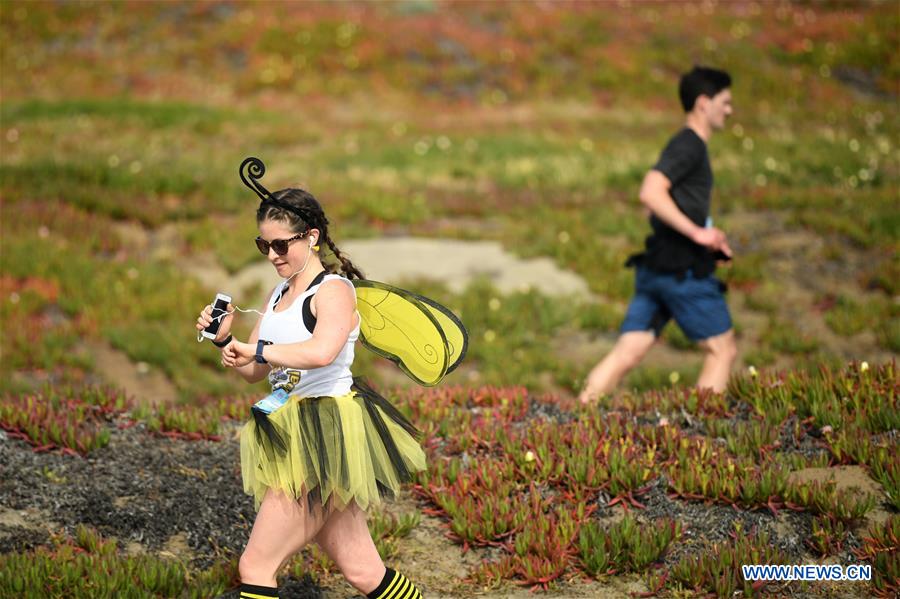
219 309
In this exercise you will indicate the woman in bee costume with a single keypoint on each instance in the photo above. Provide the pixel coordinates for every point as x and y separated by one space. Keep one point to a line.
323 447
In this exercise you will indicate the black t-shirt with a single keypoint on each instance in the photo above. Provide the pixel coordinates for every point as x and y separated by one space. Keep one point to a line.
685 162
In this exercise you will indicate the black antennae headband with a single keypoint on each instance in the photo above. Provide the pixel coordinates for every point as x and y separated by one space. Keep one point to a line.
251 171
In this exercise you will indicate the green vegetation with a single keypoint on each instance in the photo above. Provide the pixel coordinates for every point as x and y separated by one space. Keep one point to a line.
122 126
91 566
501 477
547 146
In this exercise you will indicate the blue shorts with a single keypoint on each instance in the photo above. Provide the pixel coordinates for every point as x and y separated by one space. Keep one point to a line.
697 305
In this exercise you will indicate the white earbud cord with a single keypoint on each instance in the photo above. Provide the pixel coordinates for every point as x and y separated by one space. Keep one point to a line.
200 337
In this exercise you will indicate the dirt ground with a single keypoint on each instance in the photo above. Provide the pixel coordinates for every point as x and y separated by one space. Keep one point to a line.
183 499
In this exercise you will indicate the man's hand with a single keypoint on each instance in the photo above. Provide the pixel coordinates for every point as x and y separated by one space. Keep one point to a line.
713 239
237 354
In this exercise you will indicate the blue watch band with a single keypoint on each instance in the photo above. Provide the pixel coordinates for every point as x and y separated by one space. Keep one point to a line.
259 348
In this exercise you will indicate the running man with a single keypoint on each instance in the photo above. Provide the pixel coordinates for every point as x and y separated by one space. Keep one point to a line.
675 274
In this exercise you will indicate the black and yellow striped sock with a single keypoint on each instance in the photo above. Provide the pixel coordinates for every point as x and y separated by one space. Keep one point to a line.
395 586
252 591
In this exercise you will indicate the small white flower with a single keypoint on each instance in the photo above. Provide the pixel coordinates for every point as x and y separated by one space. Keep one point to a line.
753 371
864 367
529 456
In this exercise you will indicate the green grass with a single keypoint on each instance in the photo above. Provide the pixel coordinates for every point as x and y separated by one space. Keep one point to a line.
849 317
146 309
645 378
199 119
765 298
90 566
532 127
536 135
785 337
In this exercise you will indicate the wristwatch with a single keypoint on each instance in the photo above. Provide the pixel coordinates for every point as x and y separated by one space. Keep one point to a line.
259 348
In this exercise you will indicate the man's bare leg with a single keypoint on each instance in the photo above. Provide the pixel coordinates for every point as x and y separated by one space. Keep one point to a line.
629 350
721 352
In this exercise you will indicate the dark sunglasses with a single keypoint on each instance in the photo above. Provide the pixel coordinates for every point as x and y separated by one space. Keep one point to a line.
279 245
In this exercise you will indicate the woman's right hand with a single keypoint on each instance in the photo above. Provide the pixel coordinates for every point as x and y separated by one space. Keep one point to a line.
206 318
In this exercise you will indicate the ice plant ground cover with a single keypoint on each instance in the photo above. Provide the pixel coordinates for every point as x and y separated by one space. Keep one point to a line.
530 125
642 492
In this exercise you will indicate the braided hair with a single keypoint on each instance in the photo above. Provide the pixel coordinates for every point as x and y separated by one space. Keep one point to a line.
302 212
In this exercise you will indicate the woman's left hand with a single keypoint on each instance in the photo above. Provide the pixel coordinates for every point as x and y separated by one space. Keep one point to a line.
237 354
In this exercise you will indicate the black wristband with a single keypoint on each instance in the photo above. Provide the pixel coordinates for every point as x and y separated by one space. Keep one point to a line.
223 342
260 344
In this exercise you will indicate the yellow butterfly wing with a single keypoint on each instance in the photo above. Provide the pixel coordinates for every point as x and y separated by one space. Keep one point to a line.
424 339
453 329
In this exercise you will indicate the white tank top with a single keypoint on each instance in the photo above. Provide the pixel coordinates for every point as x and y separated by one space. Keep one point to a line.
288 326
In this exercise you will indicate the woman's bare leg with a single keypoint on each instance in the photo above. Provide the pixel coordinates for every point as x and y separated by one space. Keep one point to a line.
346 539
282 527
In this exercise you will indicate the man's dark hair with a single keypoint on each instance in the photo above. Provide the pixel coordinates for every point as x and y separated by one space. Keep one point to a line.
701 81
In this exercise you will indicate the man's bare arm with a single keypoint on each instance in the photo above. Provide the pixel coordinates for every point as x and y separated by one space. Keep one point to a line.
655 196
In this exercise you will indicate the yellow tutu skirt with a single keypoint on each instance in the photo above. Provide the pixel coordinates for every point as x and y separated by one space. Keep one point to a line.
330 451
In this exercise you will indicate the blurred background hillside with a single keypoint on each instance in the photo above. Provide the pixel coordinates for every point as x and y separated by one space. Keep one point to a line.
529 125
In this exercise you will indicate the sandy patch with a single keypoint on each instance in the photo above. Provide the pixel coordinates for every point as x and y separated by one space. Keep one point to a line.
458 262
177 546
849 477
140 381
397 259
10 517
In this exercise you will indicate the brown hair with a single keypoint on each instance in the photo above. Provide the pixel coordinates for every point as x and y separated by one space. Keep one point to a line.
305 213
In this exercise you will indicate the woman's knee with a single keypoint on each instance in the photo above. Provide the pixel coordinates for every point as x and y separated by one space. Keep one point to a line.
346 539
253 566
359 562
364 577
